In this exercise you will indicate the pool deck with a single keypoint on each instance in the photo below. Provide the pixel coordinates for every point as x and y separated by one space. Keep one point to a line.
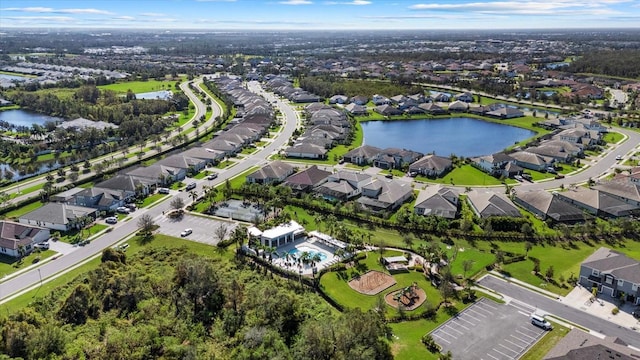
314 245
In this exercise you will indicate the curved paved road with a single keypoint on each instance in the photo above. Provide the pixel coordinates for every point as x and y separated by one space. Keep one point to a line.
123 229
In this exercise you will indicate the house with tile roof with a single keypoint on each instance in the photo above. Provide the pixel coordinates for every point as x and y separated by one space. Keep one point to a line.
58 216
546 205
307 179
580 345
613 273
385 195
362 155
598 203
431 166
15 237
529 160
438 201
486 204
274 172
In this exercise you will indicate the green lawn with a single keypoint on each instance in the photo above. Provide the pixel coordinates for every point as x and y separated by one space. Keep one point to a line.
151 199
10 264
73 236
224 164
140 86
537 175
23 210
26 191
465 175
612 137
336 285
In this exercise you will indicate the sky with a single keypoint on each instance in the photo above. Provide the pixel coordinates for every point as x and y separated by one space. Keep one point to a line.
320 14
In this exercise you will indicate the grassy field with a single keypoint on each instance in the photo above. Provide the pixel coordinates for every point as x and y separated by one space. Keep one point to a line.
136 245
463 176
336 285
139 86
612 137
9 264
23 210
151 199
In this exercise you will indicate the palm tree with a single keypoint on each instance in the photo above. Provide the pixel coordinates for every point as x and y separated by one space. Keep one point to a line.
305 257
193 195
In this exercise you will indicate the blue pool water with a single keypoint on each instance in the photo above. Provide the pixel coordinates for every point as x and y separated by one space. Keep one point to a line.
298 251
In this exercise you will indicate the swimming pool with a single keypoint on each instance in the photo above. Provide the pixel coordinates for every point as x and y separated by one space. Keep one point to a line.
299 250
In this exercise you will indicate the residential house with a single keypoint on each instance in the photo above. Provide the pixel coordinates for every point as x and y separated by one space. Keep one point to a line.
612 273
559 150
486 204
101 199
546 205
498 164
394 158
458 106
362 155
431 166
19 239
380 100
59 216
529 160
209 156
465 97
274 172
579 345
307 179
623 190
442 97
306 150
131 185
505 112
158 174
385 195
343 185
355 109
433 109
338 99
438 201
359 100
387 110
598 203
586 138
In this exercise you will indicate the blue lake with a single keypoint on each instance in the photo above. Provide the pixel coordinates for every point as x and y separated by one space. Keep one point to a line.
461 136
19 117
161 94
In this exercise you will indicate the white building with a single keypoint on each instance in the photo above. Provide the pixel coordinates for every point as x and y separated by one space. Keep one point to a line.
279 235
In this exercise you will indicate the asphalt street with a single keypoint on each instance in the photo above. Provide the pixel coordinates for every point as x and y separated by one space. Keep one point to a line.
125 228
546 305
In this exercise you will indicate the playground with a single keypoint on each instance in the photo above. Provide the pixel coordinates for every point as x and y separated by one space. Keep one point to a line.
372 282
409 297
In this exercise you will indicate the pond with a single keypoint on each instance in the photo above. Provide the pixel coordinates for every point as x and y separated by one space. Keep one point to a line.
461 136
19 117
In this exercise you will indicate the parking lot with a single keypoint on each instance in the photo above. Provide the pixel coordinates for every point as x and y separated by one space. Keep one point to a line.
203 228
489 331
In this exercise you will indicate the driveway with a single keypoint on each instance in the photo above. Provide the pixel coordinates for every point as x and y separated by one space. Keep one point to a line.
488 330
204 229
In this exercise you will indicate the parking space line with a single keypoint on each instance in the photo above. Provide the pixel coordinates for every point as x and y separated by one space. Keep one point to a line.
441 338
517 338
462 326
491 306
521 333
514 344
501 353
530 330
477 313
442 331
508 348
484 310
493 356
468 322
449 327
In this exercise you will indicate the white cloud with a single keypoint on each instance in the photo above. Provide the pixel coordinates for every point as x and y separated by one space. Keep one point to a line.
152 14
41 18
354 2
58 11
296 2
595 7
126 18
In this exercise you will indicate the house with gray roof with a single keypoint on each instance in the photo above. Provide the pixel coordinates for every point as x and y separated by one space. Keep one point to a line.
307 179
15 236
355 109
559 150
580 345
394 158
274 172
433 109
438 201
385 195
101 199
431 166
626 191
343 185
505 113
362 155
387 110
210 156
180 161
306 150
498 164
58 216
158 174
598 203
82 123
529 160
546 205
612 273
486 204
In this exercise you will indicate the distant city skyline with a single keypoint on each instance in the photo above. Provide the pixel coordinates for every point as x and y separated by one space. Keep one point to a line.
320 14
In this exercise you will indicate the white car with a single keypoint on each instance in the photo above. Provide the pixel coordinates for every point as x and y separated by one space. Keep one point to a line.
123 210
186 232
111 220
619 157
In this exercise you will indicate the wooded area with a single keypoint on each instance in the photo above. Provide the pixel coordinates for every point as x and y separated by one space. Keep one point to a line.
623 63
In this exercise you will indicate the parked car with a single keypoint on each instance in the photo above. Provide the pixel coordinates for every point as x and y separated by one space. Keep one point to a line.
539 321
163 191
111 220
123 210
122 247
551 169
619 157
389 176
191 186
519 178
212 176
131 207
43 245
186 232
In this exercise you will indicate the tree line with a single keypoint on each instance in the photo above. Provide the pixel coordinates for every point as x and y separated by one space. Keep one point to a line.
327 86
623 63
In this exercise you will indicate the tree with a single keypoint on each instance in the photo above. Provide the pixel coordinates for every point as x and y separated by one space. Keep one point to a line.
146 225
527 247
111 254
197 291
467 265
549 273
221 232
177 203
79 306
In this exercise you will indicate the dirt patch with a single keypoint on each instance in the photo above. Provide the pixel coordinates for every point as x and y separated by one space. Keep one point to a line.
372 282
410 297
